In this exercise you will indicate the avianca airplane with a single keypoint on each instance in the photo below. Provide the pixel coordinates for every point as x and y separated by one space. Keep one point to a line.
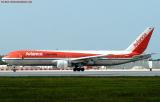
78 59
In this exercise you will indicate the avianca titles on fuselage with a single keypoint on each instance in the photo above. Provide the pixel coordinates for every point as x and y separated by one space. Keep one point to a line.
78 59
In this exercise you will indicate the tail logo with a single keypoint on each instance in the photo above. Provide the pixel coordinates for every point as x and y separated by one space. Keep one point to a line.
140 40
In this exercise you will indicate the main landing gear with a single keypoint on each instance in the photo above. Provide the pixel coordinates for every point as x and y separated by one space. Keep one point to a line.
78 68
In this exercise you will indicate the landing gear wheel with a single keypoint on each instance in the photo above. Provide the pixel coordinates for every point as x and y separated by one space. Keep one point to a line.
78 69
74 69
82 69
14 69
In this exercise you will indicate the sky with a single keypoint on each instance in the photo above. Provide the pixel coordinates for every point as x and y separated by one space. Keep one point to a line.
78 24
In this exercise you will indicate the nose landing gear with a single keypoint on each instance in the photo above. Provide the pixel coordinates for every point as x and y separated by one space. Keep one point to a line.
14 69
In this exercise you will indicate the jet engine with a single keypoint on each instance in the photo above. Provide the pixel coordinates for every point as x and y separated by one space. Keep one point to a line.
62 64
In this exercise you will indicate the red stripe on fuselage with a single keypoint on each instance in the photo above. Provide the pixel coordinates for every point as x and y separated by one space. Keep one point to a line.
47 54
59 54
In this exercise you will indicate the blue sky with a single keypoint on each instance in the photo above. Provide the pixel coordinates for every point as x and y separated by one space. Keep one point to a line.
77 24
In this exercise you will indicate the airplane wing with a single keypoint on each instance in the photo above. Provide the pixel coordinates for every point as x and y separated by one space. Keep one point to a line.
94 58
142 57
82 59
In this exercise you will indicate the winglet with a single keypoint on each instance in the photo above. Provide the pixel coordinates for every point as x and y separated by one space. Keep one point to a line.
141 43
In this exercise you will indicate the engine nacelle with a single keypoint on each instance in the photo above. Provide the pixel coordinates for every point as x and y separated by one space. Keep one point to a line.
62 64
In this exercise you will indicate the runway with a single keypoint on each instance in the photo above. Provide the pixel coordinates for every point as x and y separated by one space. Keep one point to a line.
86 73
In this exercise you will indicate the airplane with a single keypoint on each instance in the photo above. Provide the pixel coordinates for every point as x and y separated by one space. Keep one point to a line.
79 59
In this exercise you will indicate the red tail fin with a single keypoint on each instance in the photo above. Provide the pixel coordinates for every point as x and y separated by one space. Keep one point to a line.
141 43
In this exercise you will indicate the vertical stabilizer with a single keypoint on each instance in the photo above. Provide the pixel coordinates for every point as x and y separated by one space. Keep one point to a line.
141 43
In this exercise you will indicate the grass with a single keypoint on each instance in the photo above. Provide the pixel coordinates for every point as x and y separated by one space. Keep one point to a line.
79 89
